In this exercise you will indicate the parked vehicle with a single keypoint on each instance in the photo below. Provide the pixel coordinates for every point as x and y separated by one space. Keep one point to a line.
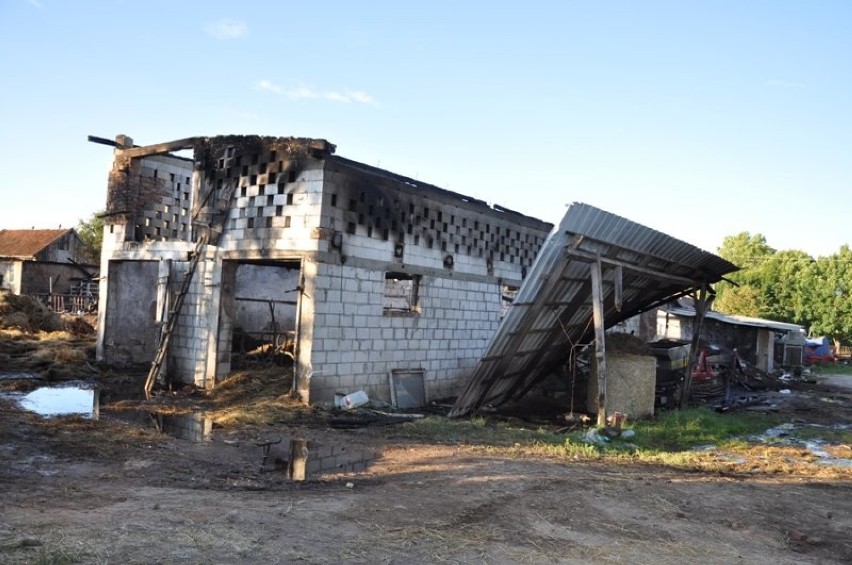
819 351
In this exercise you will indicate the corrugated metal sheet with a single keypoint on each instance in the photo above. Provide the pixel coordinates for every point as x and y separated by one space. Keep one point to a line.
738 320
553 309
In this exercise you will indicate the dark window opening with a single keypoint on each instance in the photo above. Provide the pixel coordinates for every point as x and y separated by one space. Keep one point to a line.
508 294
401 293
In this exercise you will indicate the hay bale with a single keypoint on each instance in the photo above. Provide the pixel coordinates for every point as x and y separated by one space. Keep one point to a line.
77 326
630 383
27 314
17 320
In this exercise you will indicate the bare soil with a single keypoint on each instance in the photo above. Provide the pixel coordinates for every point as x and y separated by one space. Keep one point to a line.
76 490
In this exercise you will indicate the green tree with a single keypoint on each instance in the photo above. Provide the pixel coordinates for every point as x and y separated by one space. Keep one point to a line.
788 286
745 250
830 310
91 231
786 281
744 294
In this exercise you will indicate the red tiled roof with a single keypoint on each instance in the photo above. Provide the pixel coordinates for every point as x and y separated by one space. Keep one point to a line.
27 243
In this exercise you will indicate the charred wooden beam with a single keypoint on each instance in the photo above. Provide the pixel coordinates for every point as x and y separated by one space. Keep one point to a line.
160 148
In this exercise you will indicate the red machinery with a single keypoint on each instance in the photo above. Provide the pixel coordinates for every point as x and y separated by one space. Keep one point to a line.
704 370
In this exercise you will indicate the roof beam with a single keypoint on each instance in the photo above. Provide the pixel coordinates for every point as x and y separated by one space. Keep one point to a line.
591 257
159 148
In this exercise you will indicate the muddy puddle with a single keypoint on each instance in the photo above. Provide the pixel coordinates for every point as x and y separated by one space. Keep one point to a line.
292 458
70 400
298 459
195 427
786 434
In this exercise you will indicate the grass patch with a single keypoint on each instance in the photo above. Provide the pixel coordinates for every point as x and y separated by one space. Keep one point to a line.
838 369
679 430
473 431
824 433
669 439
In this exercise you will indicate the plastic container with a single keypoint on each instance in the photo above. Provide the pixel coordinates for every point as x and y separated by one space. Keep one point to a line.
354 400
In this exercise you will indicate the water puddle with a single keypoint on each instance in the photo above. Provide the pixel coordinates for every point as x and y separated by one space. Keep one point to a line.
294 459
72 400
196 427
784 435
298 459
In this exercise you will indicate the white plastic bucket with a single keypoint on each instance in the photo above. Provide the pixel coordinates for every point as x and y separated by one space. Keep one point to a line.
355 399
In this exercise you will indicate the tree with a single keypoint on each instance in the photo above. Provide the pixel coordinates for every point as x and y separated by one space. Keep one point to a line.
830 310
788 286
91 232
745 250
786 281
744 297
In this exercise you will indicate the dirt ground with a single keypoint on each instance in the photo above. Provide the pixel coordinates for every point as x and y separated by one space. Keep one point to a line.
78 490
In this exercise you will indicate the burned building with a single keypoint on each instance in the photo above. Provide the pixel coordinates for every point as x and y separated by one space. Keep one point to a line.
365 278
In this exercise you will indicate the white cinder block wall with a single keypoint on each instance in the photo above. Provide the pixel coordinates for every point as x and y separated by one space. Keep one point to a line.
462 252
355 344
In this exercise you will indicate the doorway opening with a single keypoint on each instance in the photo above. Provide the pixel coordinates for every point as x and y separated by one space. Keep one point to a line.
259 321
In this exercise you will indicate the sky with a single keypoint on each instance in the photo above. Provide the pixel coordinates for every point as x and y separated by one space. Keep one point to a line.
700 119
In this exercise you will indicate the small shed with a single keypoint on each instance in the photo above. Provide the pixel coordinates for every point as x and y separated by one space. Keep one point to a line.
45 262
753 338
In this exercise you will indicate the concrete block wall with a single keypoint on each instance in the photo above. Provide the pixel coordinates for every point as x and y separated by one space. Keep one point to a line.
386 217
270 187
167 217
355 343
192 349
282 216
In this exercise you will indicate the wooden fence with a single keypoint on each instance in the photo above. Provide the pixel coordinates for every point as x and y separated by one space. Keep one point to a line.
68 302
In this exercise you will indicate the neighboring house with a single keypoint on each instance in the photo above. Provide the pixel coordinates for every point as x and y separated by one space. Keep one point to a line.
372 281
756 340
42 262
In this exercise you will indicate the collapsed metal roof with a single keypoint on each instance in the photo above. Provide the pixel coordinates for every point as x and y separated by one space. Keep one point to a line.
553 309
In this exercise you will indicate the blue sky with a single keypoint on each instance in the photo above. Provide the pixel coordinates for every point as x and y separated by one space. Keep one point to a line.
700 119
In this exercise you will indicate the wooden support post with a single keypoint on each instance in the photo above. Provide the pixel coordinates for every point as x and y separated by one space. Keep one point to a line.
702 305
301 387
619 287
164 272
600 340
